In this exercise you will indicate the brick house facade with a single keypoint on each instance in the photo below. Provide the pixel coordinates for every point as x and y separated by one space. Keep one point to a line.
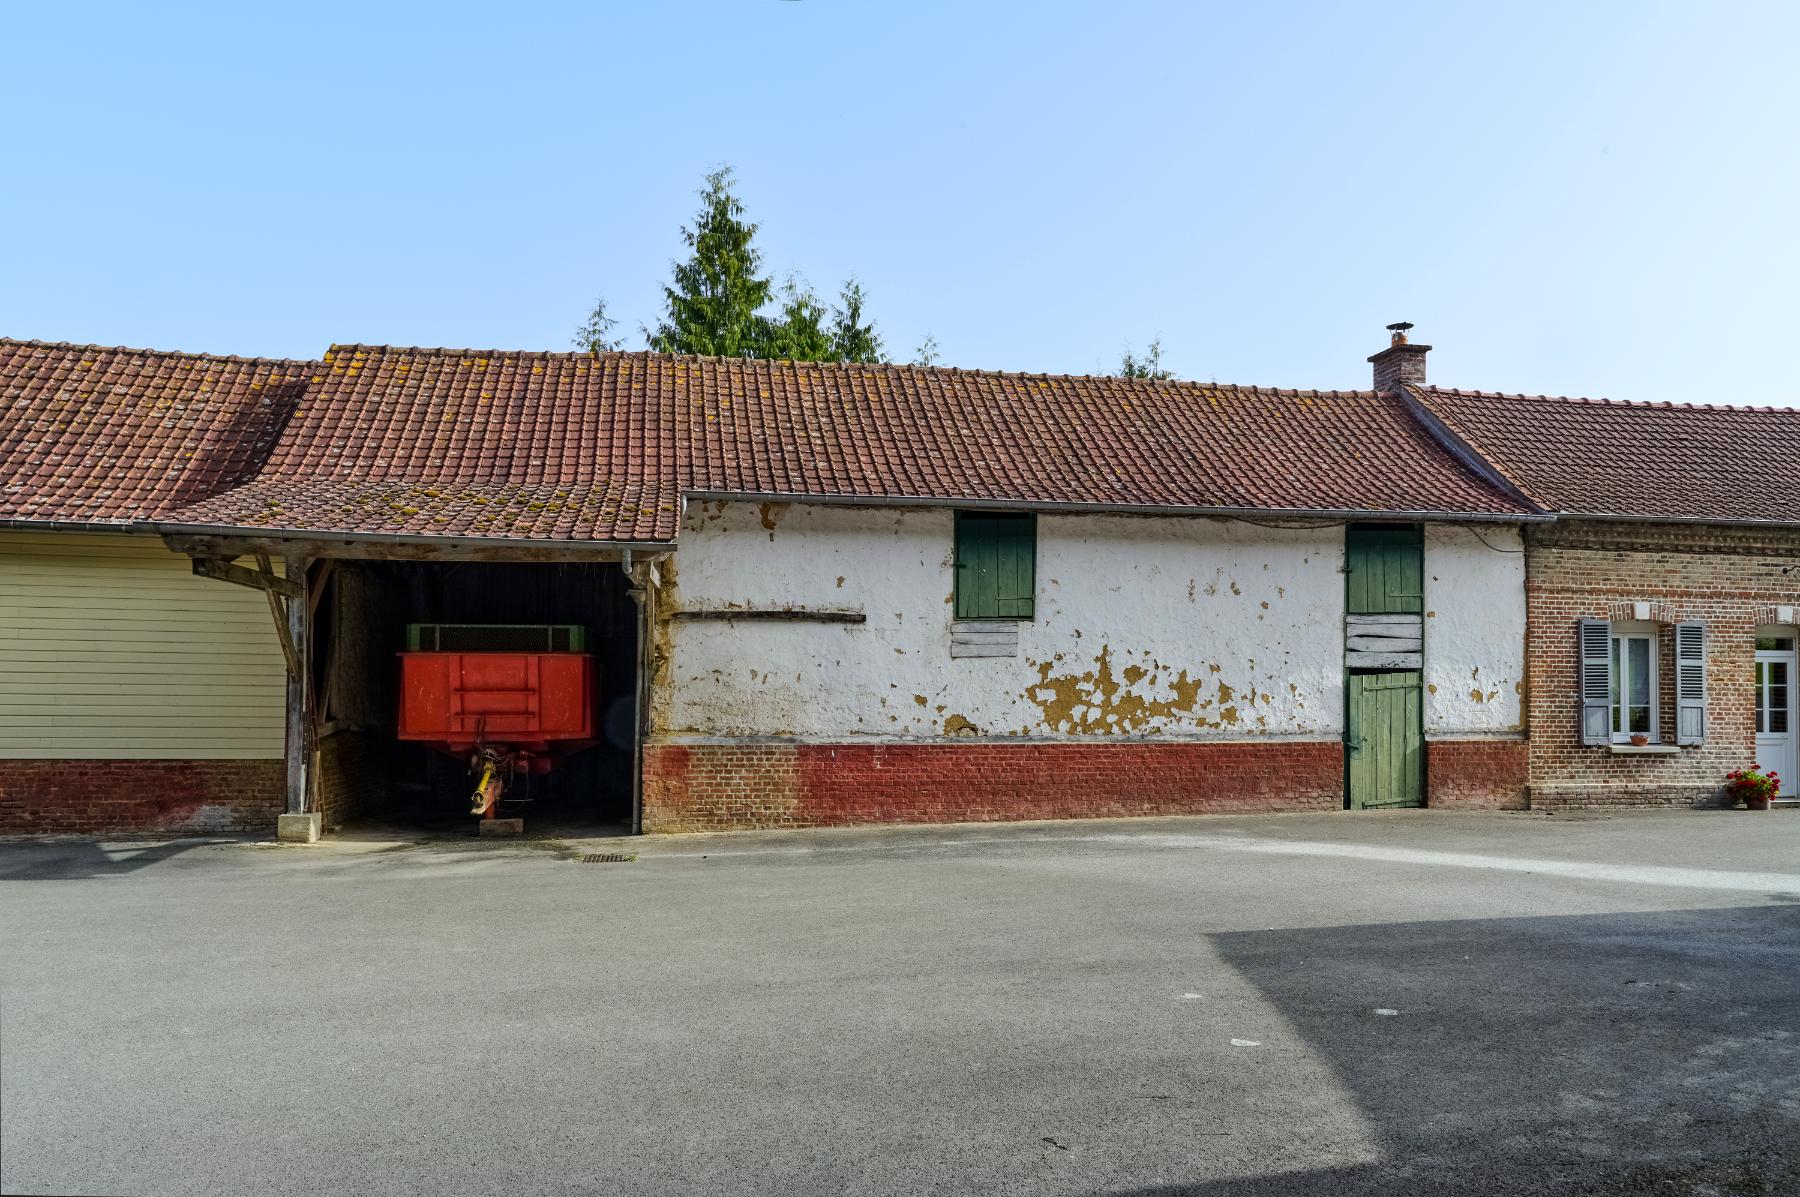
1732 580
1676 552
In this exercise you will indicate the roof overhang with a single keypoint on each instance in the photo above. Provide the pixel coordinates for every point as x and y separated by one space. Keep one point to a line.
1244 513
1717 521
19 524
213 540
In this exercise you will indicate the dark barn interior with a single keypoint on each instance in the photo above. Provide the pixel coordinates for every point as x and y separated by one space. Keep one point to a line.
365 774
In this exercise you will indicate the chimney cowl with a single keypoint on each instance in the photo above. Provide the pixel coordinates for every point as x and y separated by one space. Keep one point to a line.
1401 362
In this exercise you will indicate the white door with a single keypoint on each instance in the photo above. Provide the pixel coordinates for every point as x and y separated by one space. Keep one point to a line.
1775 709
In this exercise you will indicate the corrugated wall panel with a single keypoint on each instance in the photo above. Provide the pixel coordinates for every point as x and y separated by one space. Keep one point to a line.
110 648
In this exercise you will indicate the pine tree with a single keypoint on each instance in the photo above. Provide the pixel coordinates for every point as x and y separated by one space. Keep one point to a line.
1148 366
799 335
851 339
714 302
595 334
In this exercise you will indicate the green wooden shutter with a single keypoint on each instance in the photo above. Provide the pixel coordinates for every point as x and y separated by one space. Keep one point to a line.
996 565
1385 568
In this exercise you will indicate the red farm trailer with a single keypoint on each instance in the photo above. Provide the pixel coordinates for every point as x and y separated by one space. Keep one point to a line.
509 699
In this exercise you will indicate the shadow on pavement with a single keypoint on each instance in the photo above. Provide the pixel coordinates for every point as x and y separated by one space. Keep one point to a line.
75 860
1652 1053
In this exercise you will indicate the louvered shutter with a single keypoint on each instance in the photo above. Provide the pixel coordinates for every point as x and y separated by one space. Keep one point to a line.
1596 681
1690 683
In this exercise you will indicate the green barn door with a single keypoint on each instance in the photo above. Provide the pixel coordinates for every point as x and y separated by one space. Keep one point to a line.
1386 741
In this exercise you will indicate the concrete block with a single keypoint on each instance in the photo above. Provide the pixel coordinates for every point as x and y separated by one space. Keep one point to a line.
297 829
502 827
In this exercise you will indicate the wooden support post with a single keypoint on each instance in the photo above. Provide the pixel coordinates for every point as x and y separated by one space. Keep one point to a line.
299 722
290 648
643 582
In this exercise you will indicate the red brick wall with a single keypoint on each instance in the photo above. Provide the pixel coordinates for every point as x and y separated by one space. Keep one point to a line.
721 786
353 776
1477 774
1727 578
164 797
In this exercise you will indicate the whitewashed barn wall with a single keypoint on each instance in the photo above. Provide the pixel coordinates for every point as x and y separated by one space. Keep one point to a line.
1474 630
1146 626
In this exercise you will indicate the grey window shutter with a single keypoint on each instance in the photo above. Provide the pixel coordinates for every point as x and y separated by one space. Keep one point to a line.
1690 683
1596 681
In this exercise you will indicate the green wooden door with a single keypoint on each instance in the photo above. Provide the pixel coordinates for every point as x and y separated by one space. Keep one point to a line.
1385 569
1386 740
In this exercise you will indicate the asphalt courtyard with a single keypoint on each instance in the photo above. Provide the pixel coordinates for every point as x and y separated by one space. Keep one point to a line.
1304 1004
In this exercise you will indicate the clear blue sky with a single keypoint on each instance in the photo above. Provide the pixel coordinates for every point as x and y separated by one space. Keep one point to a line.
1578 198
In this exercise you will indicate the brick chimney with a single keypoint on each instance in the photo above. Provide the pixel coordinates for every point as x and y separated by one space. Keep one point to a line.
1401 361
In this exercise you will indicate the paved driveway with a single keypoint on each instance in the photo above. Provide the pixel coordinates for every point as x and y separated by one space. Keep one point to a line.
1313 1005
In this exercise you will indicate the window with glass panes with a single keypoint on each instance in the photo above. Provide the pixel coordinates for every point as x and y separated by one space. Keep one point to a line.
1772 682
1633 684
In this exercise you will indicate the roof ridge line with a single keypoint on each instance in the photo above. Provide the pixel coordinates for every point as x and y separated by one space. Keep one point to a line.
1603 401
448 351
31 343
1466 449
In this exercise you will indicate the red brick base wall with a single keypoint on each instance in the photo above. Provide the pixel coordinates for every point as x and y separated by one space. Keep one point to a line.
719 787
164 797
1477 774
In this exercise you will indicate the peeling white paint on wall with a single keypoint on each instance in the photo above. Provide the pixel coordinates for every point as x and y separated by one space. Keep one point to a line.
1178 628
1474 630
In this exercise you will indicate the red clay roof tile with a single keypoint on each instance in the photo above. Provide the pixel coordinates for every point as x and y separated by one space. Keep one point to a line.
1607 457
90 434
488 423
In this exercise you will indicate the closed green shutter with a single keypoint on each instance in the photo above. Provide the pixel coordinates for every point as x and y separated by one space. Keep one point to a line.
1386 569
996 565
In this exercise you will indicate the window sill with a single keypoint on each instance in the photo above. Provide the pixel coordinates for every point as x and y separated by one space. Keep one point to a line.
1643 749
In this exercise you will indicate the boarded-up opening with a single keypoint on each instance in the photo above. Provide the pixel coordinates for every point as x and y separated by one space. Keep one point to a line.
365 774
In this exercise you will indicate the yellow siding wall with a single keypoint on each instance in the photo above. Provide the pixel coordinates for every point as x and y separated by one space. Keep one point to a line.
111 648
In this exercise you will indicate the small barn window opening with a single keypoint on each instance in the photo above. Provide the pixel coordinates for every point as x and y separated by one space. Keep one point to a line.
996 565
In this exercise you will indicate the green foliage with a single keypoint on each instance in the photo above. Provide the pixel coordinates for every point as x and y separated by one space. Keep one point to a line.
595 333
800 334
1148 366
927 352
713 304
851 339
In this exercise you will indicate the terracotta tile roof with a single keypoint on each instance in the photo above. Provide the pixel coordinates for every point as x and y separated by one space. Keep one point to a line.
617 510
97 435
484 423
1605 457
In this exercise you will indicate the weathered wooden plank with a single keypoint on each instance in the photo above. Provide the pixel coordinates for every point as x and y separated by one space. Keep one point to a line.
1378 660
1393 644
225 571
1372 622
800 614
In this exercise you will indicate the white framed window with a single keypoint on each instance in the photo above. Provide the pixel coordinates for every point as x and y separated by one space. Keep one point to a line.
1633 697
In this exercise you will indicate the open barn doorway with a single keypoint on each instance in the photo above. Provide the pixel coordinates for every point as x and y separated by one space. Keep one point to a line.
370 769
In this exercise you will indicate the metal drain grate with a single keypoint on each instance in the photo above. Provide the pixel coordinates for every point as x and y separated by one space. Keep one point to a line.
607 857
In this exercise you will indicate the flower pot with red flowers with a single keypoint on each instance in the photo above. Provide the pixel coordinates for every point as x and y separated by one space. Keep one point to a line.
1753 787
